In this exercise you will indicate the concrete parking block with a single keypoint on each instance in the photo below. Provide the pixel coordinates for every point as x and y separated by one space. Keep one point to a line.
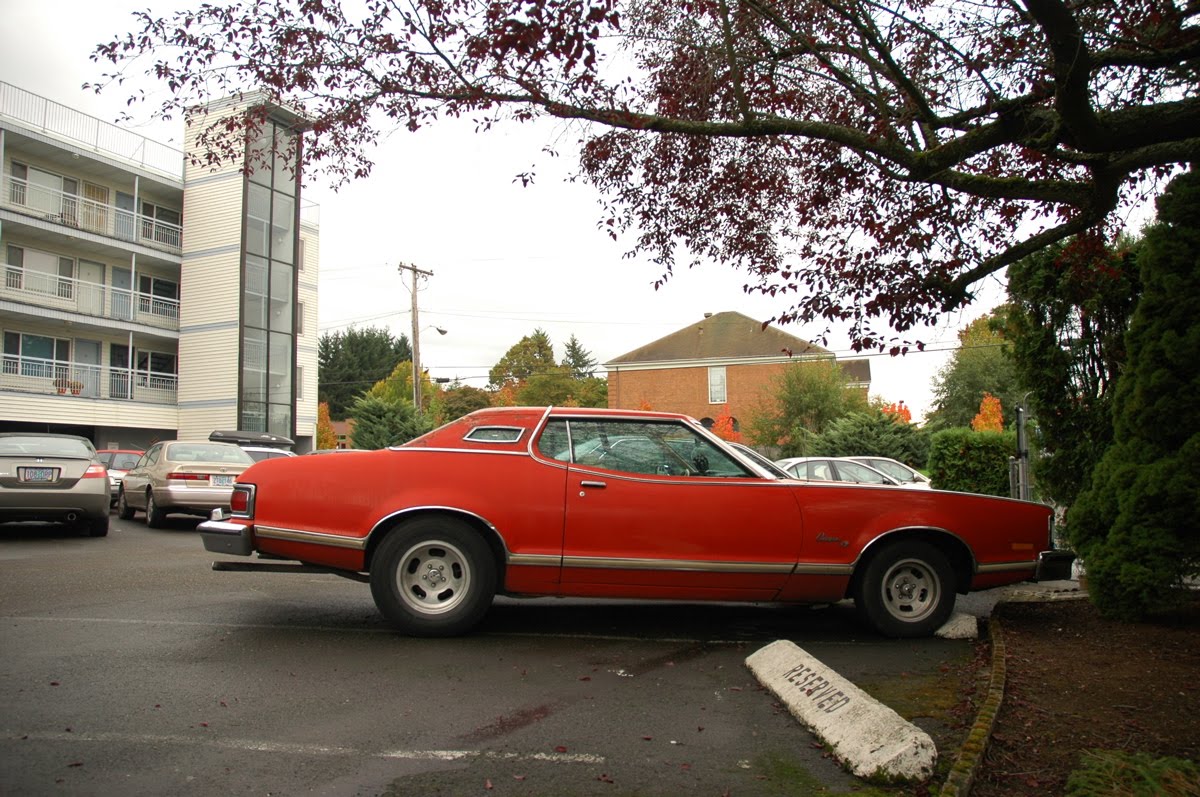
872 740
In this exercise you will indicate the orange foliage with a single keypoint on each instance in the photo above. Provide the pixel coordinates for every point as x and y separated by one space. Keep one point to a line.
990 418
645 406
723 427
899 411
506 396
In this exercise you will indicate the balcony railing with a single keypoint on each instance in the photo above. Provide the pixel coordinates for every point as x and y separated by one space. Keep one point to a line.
89 298
92 133
79 213
55 377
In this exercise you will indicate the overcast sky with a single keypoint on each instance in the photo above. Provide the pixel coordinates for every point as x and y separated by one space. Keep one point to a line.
506 259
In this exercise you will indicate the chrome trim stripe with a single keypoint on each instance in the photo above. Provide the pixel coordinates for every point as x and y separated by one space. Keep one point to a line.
534 559
1004 567
823 570
682 565
314 537
406 449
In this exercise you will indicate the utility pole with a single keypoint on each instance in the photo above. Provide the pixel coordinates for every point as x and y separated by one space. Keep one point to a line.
416 331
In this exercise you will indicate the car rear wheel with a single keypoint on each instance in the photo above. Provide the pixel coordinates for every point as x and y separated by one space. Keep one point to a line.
124 510
433 577
155 517
98 527
906 590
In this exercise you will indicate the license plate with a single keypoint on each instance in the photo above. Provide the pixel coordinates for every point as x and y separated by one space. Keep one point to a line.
39 474
221 481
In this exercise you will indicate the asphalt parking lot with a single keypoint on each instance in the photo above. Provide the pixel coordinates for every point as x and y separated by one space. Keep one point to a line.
127 666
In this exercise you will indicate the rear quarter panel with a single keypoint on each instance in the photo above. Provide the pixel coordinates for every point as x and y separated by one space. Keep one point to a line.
347 496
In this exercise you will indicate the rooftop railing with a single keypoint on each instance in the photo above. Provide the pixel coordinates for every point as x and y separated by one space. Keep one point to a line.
102 137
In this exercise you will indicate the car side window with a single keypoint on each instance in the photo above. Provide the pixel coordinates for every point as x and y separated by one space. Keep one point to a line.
819 471
649 448
554 442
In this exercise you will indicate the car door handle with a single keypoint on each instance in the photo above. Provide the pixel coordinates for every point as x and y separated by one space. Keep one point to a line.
595 485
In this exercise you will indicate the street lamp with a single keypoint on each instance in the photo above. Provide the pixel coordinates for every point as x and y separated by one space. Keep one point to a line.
416 353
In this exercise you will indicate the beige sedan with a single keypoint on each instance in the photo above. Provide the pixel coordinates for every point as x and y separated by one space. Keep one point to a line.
189 477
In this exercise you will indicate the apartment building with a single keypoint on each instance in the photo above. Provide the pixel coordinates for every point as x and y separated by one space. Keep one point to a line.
146 297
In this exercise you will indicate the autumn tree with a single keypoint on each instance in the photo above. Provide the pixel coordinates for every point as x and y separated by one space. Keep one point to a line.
326 437
807 395
980 365
866 163
350 361
459 400
990 417
723 426
530 355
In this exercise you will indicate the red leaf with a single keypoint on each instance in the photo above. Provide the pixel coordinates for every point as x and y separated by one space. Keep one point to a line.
487 784
562 748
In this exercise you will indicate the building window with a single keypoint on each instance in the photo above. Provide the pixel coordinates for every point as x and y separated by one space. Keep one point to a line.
716 385
271 315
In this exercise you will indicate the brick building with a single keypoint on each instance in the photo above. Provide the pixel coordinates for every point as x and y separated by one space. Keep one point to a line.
727 359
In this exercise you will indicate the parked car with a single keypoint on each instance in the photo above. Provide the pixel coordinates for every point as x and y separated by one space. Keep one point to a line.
834 469
259 453
259 445
185 476
497 502
908 477
53 477
118 460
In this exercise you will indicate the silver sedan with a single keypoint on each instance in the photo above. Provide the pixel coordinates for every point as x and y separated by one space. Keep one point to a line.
189 477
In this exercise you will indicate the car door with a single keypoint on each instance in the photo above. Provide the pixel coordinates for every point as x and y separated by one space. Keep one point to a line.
137 477
655 509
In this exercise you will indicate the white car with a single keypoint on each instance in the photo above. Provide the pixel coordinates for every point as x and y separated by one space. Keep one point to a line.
908 477
834 469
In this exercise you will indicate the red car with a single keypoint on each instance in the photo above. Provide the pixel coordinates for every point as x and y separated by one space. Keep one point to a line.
616 504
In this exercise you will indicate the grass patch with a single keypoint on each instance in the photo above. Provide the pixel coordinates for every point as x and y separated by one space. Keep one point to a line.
1109 773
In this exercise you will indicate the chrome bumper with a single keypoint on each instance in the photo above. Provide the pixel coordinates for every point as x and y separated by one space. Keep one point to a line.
220 536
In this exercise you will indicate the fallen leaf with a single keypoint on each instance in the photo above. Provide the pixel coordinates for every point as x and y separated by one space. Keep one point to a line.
647 738
519 777
605 779
585 677
75 764
487 784
560 749
54 683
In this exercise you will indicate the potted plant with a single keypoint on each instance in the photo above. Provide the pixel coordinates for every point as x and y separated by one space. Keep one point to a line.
75 387
61 384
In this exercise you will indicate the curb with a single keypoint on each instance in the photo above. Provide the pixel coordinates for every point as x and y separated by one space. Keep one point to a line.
970 755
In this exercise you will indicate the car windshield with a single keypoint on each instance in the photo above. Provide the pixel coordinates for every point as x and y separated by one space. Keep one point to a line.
861 473
121 461
46 447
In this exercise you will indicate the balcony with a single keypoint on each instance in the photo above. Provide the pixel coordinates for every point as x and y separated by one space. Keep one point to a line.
76 212
89 298
54 377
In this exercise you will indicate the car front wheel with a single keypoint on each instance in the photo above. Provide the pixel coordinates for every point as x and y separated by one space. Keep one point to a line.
907 590
433 577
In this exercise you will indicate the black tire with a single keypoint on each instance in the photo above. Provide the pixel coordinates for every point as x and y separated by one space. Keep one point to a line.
124 510
433 577
155 517
906 590
97 527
